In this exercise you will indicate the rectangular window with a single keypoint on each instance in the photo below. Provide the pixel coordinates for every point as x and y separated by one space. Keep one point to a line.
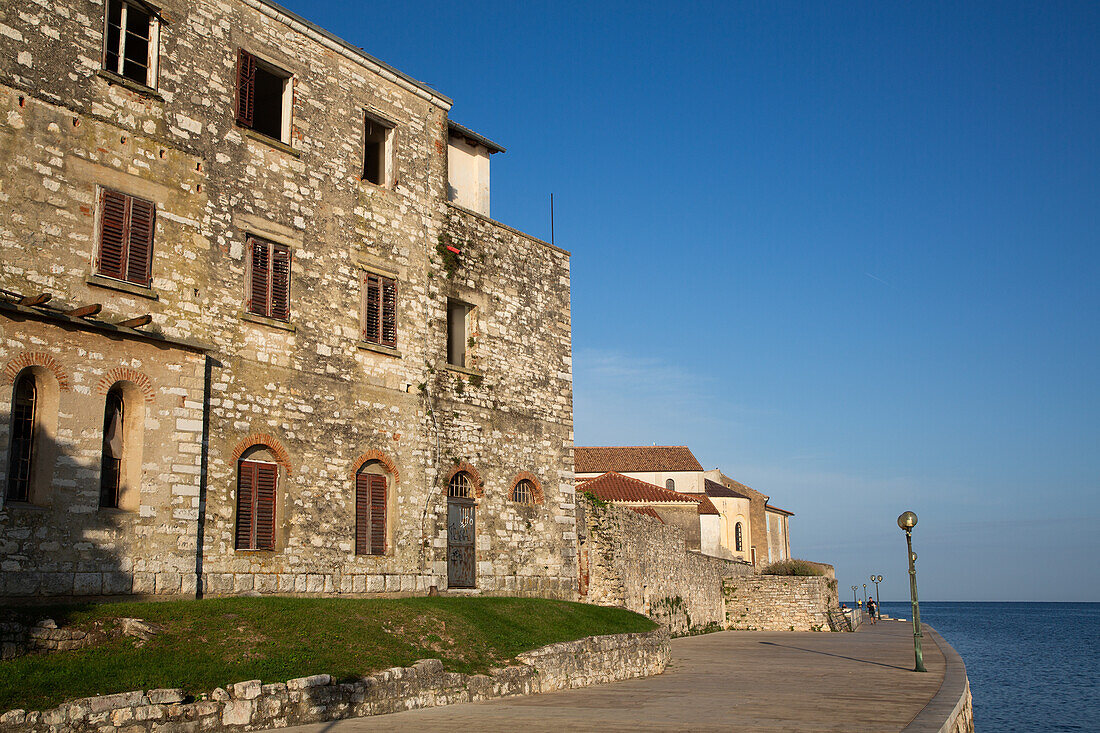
256 485
370 514
264 97
126 226
130 39
459 315
379 310
269 279
377 147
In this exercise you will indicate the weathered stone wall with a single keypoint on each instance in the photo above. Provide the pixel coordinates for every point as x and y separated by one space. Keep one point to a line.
310 389
779 603
254 706
631 560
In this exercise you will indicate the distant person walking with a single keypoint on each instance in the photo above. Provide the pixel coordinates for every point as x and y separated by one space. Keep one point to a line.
872 610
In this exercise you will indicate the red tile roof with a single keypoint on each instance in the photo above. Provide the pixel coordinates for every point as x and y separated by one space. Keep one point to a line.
706 506
626 459
713 488
615 487
770 508
648 511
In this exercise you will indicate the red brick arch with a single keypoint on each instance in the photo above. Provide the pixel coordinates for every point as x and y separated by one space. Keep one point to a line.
375 455
126 374
537 496
475 476
37 358
269 442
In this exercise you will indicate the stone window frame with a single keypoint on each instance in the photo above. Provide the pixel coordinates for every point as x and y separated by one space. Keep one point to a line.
152 65
43 438
273 244
127 491
144 239
536 493
258 454
245 105
376 462
389 149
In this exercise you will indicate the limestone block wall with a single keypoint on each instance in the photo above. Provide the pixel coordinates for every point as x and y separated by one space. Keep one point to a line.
309 389
62 543
779 603
255 706
634 561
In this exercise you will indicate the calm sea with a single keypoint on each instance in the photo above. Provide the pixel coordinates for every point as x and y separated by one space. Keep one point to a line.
1032 666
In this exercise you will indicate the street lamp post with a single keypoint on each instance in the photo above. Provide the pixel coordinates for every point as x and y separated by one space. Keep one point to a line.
876 579
865 595
907 521
855 606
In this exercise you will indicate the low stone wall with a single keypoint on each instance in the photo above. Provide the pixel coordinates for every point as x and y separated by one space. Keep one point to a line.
17 639
779 603
952 709
628 559
254 706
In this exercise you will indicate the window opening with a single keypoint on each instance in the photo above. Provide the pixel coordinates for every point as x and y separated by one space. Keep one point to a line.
263 97
130 41
126 227
670 484
111 463
23 423
269 286
524 493
457 332
370 513
738 545
380 310
460 486
376 150
257 482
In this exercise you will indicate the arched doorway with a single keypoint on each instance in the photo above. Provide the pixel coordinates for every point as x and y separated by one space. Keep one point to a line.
460 532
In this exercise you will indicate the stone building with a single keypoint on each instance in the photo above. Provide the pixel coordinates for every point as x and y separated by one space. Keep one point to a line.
746 528
254 335
695 514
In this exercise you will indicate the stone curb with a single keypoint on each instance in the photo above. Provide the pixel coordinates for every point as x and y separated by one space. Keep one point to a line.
251 705
951 709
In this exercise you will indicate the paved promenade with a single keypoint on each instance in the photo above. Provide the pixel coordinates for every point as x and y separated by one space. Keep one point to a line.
751 681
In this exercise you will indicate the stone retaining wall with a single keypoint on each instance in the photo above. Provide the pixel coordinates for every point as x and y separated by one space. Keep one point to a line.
254 706
17 639
779 603
631 560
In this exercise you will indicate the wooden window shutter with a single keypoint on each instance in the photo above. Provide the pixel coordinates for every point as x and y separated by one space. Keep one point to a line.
260 278
246 492
389 312
267 479
362 514
377 514
114 220
246 87
372 309
280 282
140 255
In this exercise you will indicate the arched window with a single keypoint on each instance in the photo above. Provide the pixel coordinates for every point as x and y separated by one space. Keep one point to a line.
257 487
110 477
738 542
524 492
460 486
670 485
371 499
24 423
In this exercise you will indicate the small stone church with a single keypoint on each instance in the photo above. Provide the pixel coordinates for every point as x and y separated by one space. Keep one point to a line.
258 332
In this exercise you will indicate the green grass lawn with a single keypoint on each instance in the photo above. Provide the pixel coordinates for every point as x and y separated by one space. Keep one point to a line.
215 642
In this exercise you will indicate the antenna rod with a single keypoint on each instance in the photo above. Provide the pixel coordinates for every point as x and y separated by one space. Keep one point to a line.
551 218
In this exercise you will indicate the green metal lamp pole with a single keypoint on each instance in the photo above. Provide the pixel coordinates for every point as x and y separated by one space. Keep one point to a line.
907 521
876 579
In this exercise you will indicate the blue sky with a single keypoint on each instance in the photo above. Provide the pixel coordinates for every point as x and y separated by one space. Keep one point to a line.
848 252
